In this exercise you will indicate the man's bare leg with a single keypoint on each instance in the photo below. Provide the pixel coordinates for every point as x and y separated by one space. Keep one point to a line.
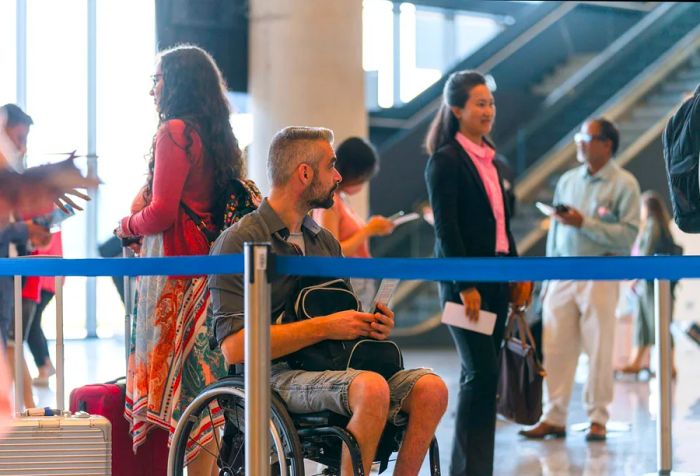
425 406
368 397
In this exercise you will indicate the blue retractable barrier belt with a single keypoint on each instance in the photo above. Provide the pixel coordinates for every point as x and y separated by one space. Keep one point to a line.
429 269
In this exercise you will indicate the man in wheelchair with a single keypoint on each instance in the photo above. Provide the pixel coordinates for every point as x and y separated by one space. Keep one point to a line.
301 170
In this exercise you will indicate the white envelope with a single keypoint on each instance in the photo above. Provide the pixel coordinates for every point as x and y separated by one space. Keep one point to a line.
453 314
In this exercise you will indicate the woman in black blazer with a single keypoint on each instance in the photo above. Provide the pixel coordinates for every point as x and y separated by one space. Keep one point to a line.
471 220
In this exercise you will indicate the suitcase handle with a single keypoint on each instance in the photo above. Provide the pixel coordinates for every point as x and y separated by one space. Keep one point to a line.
19 344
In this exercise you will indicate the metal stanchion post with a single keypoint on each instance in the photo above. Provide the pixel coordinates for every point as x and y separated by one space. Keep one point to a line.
60 344
257 358
664 447
128 308
19 348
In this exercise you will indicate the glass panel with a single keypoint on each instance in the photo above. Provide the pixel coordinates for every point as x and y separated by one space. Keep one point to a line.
421 49
378 46
432 40
473 31
126 123
8 48
56 100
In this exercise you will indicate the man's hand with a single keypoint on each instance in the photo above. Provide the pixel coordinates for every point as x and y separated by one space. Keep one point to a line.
38 235
348 325
571 217
383 323
472 303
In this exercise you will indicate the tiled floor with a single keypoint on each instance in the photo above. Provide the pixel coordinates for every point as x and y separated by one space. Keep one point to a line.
629 452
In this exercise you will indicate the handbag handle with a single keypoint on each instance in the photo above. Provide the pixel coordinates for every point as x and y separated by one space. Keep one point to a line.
526 337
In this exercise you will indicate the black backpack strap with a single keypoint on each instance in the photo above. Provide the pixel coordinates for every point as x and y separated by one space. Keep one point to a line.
211 236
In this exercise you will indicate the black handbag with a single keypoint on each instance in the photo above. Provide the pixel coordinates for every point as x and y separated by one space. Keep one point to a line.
519 394
317 298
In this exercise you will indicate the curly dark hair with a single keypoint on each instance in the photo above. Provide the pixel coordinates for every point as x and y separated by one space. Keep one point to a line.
194 91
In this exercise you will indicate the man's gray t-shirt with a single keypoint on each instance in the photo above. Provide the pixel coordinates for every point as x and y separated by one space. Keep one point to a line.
261 226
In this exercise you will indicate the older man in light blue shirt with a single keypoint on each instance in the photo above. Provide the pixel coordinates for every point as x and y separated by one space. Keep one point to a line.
608 203
598 215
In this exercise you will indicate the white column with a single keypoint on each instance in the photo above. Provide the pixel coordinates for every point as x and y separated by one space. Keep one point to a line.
305 69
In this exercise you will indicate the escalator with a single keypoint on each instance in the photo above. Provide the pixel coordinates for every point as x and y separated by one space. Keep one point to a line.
640 110
622 62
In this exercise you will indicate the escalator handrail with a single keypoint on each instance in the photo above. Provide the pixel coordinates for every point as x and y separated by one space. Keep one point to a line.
606 55
483 60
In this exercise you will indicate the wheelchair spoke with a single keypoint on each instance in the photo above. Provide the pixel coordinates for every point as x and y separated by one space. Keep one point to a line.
202 447
214 431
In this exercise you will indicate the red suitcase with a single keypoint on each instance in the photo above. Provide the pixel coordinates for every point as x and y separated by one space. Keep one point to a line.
107 399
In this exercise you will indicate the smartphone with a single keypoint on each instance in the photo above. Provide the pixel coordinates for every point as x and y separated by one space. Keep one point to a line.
545 209
384 293
53 219
396 215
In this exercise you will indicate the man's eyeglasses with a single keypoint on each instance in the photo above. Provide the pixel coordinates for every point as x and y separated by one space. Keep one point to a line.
587 138
155 78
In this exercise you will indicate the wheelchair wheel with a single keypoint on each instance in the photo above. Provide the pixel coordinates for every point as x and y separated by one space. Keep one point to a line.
286 458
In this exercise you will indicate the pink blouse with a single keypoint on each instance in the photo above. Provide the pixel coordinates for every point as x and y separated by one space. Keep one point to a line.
482 156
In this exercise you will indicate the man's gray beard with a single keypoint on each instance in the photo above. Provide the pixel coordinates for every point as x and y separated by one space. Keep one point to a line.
322 202
319 202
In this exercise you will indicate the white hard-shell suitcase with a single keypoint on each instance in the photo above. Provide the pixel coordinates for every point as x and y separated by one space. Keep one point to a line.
63 444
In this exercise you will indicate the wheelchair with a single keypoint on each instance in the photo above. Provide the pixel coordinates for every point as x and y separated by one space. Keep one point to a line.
317 437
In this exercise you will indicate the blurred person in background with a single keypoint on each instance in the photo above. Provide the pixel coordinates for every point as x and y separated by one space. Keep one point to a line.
14 234
357 162
35 335
654 238
596 214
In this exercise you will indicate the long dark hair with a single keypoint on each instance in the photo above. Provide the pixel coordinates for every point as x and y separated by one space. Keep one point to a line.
455 94
194 90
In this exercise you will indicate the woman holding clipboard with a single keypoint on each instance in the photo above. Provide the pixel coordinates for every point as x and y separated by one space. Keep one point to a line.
471 214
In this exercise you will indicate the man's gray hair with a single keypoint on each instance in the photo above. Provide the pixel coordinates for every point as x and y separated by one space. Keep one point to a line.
292 146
